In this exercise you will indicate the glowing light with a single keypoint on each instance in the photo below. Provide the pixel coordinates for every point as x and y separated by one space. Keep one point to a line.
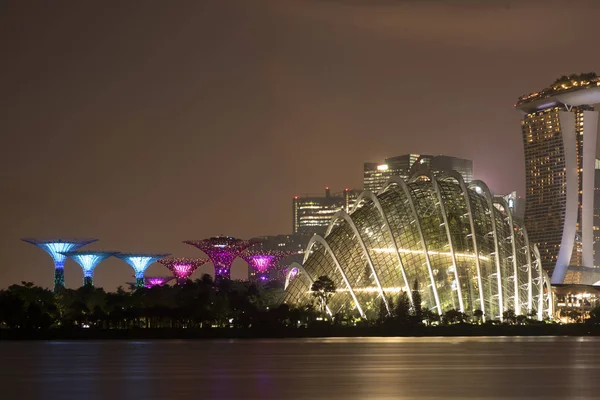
88 260
182 268
140 263
153 281
430 252
263 261
382 167
373 289
55 248
222 251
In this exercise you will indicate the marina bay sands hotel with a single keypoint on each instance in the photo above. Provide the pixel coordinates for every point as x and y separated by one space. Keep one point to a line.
562 151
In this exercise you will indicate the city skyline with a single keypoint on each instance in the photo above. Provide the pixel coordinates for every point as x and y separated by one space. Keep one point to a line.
143 142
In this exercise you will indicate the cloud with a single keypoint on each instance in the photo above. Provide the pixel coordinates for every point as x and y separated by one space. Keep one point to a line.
460 22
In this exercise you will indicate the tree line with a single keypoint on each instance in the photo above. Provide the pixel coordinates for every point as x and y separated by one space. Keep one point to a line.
204 303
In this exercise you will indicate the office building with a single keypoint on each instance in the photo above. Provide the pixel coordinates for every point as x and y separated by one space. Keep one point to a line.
311 213
405 166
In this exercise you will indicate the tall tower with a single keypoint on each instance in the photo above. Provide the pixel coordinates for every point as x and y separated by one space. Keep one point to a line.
55 248
182 268
560 127
140 263
221 250
88 261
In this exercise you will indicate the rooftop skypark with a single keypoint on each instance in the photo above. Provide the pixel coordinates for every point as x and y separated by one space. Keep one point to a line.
561 88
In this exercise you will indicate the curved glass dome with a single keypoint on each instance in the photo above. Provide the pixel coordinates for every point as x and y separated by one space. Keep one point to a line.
457 242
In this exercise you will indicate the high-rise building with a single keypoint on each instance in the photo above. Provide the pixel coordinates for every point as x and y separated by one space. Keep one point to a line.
377 174
559 128
597 215
311 214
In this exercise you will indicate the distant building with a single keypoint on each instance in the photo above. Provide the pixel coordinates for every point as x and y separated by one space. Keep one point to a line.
515 203
311 214
560 129
377 174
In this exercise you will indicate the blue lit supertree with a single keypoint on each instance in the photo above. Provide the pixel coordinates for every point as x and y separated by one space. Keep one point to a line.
55 248
139 263
88 260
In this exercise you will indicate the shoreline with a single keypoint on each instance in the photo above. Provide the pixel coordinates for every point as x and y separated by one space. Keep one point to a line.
313 332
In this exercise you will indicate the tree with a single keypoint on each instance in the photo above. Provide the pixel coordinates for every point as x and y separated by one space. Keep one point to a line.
417 311
453 317
509 317
322 289
430 316
402 311
594 316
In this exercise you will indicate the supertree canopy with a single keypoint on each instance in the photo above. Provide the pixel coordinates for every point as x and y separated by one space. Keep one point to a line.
182 268
221 250
88 260
56 248
152 281
263 261
139 263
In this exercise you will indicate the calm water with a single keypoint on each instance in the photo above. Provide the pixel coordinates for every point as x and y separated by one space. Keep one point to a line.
397 368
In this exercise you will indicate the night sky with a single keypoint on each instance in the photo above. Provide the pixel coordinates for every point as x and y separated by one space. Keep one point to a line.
147 123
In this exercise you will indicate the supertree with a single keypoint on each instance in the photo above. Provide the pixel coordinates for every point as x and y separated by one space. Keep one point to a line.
139 263
152 281
182 268
263 261
221 250
88 260
55 248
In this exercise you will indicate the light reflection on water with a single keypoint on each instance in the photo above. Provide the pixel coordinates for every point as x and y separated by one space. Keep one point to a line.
329 368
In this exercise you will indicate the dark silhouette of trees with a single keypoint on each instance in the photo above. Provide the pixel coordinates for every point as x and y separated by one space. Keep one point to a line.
453 317
322 289
402 310
198 304
417 311
510 317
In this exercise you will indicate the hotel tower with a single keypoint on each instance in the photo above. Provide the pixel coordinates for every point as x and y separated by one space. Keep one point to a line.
560 129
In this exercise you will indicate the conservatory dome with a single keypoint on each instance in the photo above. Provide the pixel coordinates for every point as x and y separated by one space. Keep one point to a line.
455 241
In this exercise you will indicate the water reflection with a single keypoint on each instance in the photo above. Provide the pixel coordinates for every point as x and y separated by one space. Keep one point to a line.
331 368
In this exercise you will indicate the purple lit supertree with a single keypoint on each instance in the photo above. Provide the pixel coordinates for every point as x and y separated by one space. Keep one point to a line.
56 248
139 263
152 281
181 267
221 250
88 260
262 262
